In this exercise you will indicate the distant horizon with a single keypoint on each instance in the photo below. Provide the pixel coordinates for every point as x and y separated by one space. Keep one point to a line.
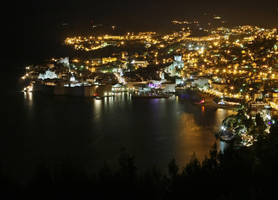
140 12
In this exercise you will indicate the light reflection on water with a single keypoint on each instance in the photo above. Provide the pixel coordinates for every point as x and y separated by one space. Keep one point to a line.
89 131
223 146
170 128
98 108
198 135
28 96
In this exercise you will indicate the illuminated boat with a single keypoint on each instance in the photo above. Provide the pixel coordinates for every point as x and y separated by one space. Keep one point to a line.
202 101
99 98
227 138
149 96
227 102
226 135
259 104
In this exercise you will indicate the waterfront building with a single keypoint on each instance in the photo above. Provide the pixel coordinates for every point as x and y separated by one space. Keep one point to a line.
48 75
177 64
200 82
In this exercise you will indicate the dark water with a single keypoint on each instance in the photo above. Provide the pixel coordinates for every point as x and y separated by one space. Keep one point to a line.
87 132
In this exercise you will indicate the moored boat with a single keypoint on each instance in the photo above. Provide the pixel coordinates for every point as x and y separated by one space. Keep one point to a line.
227 102
226 135
227 138
149 96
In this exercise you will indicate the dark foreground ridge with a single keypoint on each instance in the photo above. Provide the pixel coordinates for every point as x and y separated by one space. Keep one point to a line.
248 173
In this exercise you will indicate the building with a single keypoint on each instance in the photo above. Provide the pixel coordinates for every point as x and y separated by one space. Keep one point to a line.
220 87
177 64
200 82
168 87
108 60
139 64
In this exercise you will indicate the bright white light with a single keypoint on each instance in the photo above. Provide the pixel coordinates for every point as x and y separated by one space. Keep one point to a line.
73 85
72 79
48 75
30 88
64 61
221 102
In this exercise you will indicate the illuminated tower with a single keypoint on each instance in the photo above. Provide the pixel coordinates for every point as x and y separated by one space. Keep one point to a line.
177 64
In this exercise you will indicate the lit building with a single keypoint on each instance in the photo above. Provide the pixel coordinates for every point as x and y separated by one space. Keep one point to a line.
177 64
140 63
108 60
48 75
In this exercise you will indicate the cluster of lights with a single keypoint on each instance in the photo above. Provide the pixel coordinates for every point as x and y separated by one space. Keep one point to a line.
211 55
93 43
246 138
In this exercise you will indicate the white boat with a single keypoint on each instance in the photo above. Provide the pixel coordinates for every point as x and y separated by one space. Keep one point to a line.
226 135
227 138
150 96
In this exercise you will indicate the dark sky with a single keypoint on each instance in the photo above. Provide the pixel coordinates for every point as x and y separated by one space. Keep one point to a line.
264 12
43 17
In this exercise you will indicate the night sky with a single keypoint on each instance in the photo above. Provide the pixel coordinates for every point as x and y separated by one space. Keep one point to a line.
42 19
263 12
